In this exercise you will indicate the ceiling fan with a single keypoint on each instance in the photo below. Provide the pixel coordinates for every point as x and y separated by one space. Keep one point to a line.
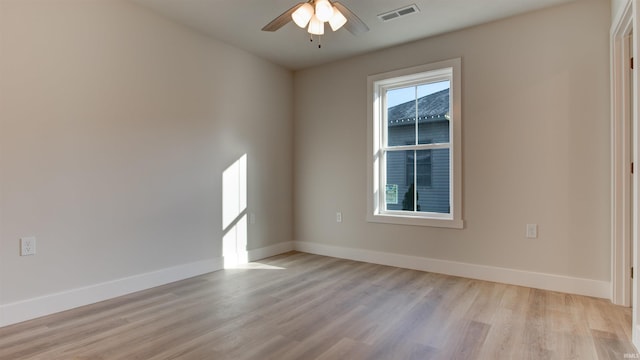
315 13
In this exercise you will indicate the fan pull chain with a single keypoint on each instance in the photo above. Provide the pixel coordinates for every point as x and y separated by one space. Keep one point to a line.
319 40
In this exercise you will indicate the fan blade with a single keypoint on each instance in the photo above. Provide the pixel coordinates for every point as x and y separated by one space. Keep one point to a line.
281 20
354 24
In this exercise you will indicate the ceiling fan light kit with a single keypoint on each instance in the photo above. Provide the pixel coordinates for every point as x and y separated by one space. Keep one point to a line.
324 10
337 20
315 13
316 26
302 16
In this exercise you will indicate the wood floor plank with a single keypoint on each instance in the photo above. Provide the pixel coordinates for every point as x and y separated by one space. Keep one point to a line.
302 306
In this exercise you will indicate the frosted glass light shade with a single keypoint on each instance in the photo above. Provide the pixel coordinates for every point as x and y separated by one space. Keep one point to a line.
302 15
337 20
316 27
324 10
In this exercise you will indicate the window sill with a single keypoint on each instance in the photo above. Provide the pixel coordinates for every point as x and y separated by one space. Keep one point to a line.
415 221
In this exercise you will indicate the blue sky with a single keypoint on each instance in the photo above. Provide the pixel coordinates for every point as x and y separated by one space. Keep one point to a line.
399 96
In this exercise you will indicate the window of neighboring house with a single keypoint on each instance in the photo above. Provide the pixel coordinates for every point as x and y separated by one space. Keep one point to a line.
422 165
414 136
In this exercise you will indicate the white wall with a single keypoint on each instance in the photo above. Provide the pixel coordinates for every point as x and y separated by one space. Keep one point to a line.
115 128
535 146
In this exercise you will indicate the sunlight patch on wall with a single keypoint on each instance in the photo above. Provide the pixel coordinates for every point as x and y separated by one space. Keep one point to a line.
234 213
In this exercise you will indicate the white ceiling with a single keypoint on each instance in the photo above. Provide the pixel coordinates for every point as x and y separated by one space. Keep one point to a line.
239 23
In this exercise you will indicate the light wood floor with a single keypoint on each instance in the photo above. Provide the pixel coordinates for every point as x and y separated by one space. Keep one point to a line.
301 306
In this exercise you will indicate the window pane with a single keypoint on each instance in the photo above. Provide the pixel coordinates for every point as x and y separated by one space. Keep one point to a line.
434 166
401 116
396 175
433 113
401 178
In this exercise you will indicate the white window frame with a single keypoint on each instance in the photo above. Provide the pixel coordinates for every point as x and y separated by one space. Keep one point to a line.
376 168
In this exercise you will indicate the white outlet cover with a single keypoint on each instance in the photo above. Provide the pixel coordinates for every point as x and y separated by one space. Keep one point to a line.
27 246
532 231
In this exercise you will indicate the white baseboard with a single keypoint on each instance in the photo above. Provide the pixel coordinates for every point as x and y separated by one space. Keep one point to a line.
560 283
272 250
45 305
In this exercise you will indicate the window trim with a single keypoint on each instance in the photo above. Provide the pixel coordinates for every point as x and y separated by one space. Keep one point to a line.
375 137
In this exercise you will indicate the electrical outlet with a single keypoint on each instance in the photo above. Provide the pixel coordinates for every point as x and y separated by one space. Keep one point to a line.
339 217
532 231
27 246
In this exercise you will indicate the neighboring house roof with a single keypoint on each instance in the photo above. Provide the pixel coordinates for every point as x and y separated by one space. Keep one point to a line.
433 107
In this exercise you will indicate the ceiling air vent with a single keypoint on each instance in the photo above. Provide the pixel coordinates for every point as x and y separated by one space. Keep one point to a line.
407 10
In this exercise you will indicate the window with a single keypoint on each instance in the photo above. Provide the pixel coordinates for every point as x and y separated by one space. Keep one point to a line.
414 146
